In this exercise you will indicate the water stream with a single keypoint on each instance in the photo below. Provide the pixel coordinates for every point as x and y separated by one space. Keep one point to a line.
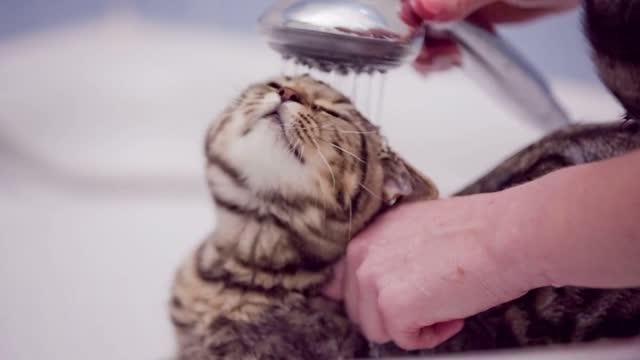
366 90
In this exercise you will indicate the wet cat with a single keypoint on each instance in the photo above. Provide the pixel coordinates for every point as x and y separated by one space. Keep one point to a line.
295 171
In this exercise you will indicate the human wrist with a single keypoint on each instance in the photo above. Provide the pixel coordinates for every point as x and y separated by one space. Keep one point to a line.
492 252
516 214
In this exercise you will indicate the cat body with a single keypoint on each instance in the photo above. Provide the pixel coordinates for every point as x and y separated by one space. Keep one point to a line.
215 320
295 171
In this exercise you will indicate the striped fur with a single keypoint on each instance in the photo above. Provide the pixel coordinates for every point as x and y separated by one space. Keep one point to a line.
613 28
295 172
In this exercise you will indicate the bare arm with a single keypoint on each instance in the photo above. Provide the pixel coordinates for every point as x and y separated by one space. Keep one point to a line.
580 226
460 256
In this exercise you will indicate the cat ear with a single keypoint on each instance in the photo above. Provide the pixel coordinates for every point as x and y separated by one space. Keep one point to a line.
402 182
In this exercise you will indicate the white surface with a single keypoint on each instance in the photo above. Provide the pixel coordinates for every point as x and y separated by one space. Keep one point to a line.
102 191
628 350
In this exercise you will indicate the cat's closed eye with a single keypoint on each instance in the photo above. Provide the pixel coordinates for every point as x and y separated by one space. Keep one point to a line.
327 111
274 85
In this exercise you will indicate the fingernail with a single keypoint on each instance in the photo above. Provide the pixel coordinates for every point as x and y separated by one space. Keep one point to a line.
409 16
426 12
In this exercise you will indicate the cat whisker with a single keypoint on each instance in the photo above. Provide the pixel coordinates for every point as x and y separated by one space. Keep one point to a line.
333 177
324 196
295 150
345 151
357 132
340 130
370 192
292 147
301 151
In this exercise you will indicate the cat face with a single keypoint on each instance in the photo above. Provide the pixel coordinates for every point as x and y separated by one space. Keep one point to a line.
300 140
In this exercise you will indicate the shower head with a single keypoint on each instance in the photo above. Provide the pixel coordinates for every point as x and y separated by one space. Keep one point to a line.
341 35
366 36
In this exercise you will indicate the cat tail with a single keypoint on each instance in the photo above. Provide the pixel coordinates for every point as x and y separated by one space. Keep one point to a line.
613 28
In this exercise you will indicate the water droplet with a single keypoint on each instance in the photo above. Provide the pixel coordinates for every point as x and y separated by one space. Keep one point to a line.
288 66
366 90
378 88
354 88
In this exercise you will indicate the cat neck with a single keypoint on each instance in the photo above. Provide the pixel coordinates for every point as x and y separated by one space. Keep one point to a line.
266 251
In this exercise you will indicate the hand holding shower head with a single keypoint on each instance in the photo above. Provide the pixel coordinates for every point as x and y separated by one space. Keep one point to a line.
369 36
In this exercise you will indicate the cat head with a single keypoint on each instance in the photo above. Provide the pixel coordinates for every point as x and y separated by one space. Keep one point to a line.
301 137
297 149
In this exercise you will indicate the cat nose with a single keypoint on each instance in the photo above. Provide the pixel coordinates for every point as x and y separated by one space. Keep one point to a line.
288 94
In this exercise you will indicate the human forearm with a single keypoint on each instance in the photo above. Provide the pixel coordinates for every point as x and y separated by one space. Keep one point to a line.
579 226
461 256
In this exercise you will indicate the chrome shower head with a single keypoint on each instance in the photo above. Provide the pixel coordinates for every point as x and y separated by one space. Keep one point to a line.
341 35
366 36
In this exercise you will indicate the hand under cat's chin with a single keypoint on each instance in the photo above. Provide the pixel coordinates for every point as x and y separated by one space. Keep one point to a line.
394 263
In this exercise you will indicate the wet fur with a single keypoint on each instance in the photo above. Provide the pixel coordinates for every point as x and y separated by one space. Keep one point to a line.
294 171
250 290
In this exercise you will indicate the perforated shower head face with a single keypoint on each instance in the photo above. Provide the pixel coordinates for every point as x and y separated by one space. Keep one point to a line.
341 35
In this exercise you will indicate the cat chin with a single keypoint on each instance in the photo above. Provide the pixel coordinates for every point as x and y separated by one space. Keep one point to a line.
264 158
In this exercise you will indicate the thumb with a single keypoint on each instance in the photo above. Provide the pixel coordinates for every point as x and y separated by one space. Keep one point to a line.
447 10
334 289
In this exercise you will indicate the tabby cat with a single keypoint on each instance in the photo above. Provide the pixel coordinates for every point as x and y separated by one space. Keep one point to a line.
295 171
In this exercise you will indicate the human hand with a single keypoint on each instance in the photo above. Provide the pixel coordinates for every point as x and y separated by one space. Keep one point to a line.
416 272
440 54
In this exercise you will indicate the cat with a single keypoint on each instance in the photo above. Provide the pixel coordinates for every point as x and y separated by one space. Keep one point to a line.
295 171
